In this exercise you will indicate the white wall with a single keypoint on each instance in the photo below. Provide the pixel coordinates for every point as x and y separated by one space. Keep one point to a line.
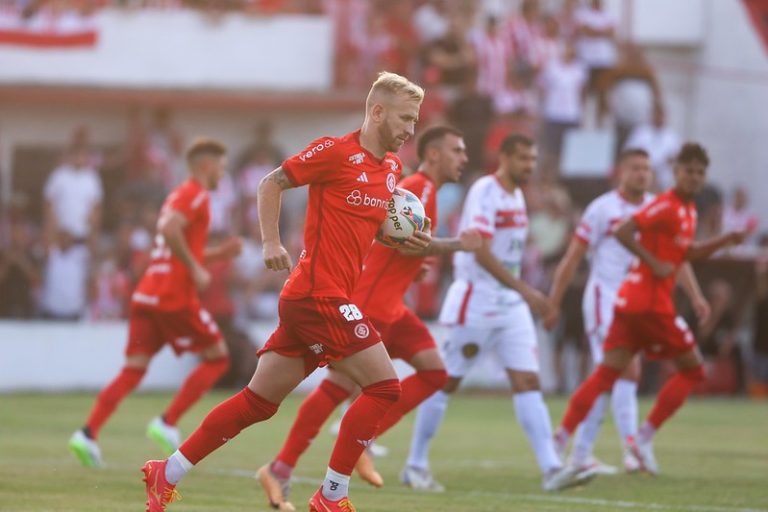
185 49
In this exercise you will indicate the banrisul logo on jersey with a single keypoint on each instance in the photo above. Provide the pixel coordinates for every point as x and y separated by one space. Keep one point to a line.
356 198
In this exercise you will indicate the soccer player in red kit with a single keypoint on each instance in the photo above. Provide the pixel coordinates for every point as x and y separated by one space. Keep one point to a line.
351 180
165 307
387 274
645 317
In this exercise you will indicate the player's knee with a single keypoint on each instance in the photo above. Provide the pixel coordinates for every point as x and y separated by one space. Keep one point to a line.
606 377
694 375
334 392
385 390
436 379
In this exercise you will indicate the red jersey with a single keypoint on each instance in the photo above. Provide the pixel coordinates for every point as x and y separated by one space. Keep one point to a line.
667 226
387 274
167 283
349 189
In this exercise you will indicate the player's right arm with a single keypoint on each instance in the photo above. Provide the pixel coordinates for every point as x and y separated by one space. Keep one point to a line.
535 299
171 226
562 279
270 192
626 235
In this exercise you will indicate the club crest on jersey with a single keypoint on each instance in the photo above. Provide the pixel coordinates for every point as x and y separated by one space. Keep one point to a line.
362 331
391 182
357 158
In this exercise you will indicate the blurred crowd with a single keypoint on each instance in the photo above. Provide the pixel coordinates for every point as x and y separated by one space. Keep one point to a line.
545 69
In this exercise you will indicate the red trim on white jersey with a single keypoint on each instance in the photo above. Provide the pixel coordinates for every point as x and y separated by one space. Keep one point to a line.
464 304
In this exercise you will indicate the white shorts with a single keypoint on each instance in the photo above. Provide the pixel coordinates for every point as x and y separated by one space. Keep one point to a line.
512 343
467 303
597 307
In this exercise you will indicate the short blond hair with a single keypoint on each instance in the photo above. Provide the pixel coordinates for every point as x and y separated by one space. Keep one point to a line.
391 84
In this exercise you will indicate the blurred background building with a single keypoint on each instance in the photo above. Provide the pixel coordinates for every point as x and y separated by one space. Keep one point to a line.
98 99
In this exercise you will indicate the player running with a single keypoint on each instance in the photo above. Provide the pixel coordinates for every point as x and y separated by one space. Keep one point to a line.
319 323
165 307
386 276
609 263
488 308
644 317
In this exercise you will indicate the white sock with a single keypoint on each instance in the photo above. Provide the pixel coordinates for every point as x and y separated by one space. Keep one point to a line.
584 441
624 404
335 485
177 467
646 433
429 416
533 416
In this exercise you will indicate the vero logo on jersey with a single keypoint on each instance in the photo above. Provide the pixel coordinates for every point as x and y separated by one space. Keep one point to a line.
316 149
363 178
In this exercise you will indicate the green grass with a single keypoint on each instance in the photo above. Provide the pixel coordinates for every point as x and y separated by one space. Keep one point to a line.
714 458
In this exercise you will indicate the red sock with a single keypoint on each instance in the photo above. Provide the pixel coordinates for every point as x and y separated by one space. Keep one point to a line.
416 388
314 410
111 396
361 422
584 397
197 384
224 422
673 395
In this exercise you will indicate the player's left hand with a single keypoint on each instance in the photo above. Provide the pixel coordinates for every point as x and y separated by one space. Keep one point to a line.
232 247
416 244
702 309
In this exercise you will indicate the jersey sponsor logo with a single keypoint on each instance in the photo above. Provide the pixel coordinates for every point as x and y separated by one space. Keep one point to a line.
656 208
357 158
356 198
392 164
391 182
145 299
317 348
363 178
316 149
183 342
362 331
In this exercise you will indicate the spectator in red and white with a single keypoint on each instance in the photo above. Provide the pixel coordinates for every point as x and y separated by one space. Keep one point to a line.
550 45
348 18
562 84
431 20
73 198
492 57
662 144
738 216
399 24
164 148
223 206
596 47
525 33
65 279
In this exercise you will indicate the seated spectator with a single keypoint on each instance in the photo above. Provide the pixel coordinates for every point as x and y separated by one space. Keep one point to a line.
662 144
596 48
65 281
19 272
633 91
562 84
738 216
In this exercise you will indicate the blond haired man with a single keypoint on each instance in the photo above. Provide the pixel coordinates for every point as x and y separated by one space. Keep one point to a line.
319 323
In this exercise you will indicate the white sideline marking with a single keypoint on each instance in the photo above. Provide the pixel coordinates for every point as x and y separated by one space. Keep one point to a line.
545 498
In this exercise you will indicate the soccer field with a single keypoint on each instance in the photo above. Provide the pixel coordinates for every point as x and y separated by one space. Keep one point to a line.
713 456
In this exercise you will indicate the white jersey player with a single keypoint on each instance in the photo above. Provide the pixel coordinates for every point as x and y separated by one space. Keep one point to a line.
488 309
609 263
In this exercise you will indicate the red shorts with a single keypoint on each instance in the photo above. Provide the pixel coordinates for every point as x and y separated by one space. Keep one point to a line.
406 336
320 330
660 336
189 330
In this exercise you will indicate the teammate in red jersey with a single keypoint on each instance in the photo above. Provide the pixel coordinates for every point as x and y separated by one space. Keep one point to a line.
645 317
387 274
351 180
165 307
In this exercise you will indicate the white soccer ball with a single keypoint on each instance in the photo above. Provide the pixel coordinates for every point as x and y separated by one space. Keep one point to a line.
405 215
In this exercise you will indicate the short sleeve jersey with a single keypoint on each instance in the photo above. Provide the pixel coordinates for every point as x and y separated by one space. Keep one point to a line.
387 274
167 283
609 260
667 227
500 215
349 189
